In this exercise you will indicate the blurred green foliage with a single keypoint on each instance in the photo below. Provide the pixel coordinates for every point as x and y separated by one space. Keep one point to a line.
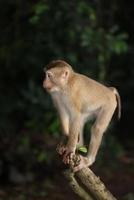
32 34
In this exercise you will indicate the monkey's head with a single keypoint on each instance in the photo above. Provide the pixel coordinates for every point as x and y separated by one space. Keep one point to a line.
57 75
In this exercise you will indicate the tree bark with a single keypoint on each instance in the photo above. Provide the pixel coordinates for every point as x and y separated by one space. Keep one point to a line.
84 182
87 185
76 187
95 187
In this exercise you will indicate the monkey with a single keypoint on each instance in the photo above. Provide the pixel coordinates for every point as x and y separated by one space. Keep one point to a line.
77 99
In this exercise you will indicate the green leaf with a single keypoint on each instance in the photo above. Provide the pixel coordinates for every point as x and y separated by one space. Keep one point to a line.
83 149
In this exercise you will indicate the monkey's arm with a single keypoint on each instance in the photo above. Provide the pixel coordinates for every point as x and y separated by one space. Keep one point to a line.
64 121
72 140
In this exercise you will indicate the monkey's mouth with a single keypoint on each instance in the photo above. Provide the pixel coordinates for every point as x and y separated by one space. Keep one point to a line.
48 89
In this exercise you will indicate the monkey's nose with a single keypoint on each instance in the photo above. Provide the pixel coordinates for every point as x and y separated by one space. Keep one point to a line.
46 86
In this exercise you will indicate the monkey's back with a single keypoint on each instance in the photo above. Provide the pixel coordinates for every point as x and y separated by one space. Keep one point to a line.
91 92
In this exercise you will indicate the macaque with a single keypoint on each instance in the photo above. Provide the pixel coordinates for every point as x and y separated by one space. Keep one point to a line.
77 99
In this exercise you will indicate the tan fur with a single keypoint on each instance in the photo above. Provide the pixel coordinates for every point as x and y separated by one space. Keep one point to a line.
77 98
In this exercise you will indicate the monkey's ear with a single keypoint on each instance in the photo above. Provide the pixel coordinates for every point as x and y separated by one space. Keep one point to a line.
65 74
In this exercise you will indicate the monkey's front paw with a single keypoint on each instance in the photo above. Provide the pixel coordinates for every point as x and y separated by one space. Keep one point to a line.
60 148
68 155
84 162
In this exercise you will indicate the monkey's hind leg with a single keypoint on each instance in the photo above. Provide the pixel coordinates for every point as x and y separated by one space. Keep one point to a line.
98 129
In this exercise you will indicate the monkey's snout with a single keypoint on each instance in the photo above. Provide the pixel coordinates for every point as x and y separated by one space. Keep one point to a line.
47 86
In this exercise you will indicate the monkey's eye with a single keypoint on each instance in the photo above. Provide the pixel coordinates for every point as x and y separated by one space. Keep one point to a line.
49 75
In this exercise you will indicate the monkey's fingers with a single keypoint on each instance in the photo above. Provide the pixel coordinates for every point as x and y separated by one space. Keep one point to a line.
67 157
66 160
59 146
60 149
84 162
76 160
79 167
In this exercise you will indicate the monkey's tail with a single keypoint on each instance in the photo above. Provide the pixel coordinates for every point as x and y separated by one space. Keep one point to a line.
118 101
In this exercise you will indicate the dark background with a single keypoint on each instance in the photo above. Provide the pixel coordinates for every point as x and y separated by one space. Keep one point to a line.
97 38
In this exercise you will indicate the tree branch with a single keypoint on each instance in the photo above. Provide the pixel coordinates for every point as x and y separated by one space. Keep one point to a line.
76 187
95 187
